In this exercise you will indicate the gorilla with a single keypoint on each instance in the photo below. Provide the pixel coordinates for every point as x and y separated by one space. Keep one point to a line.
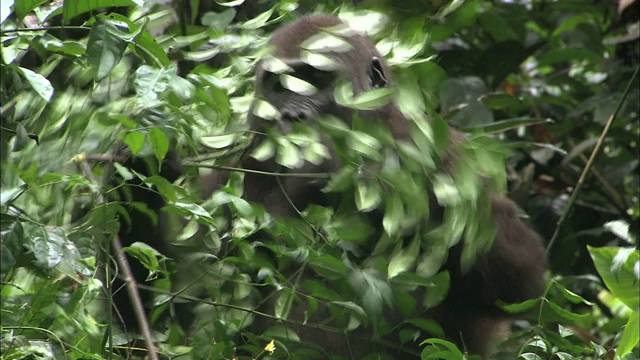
298 79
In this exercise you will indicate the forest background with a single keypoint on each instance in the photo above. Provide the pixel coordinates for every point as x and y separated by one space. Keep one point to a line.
556 81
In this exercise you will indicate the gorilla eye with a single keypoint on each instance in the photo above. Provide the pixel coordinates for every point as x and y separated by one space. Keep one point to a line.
376 74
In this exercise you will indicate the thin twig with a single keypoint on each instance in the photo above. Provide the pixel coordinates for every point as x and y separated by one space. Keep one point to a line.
46 28
587 168
619 201
266 173
132 286
122 158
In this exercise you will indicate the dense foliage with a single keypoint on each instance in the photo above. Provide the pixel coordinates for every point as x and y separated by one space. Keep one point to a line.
556 81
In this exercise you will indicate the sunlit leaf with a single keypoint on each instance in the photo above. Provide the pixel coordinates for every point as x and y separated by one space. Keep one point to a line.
370 100
134 140
264 110
368 196
159 143
297 85
618 273
324 42
73 8
39 83
393 215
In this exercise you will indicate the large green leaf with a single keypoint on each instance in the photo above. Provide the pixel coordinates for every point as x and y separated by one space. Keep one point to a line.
73 8
620 269
104 48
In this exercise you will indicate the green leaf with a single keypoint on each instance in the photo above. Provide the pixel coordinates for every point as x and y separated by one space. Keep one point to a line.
365 144
274 65
431 260
164 187
445 190
373 289
104 48
219 141
282 333
21 139
370 100
429 325
621 229
438 292
353 308
402 260
145 45
134 140
329 267
148 48
47 249
123 172
265 151
319 61
284 301
569 55
341 180
288 154
318 289
264 110
230 3
350 227
145 254
22 7
571 296
413 280
393 215
193 210
324 42
564 356
618 267
159 143
571 22
368 195
258 21
430 76
39 83
73 8
218 20
530 356
630 336
68 48
297 85
566 314
520 307
451 347
152 84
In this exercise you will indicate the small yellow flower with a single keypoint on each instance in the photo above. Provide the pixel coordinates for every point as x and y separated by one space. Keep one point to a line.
271 347
79 157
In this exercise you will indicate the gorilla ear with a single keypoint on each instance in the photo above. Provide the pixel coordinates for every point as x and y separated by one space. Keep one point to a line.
377 77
